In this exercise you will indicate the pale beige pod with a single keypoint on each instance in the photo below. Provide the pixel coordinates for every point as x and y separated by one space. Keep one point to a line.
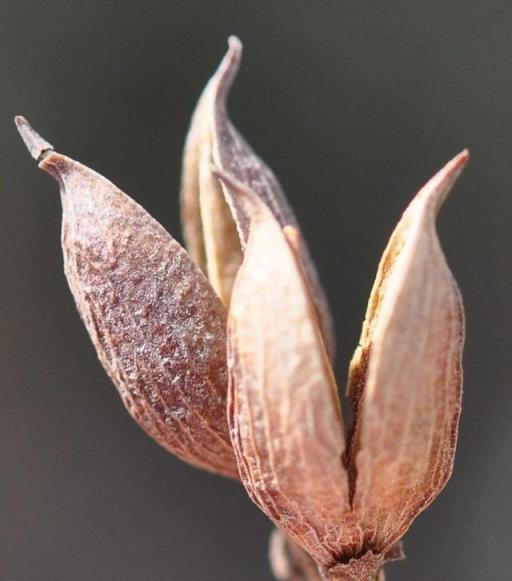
283 408
406 375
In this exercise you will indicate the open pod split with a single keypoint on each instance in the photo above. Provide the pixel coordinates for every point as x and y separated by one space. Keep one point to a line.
223 353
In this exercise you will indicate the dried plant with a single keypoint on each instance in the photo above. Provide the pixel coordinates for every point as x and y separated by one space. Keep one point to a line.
231 371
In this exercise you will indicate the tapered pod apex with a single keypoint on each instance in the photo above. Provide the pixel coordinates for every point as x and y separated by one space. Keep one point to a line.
235 44
36 145
437 189
232 371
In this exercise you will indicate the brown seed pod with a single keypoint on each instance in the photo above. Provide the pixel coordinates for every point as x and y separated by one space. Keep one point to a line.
283 408
406 376
341 502
405 382
215 225
156 323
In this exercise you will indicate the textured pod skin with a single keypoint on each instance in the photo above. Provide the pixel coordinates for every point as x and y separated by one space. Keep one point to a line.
291 563
157 325
406 375
365 568
211 212
342 502
283 409
150 314
158 328
405 383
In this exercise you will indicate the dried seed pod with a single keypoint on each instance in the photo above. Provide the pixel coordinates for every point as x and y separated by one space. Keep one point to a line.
283 409
156 323
405 377
211 213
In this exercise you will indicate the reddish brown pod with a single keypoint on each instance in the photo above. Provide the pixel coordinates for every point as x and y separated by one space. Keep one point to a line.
215 224
156 323
223 352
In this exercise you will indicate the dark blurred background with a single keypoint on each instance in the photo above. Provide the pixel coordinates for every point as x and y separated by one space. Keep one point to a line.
355 105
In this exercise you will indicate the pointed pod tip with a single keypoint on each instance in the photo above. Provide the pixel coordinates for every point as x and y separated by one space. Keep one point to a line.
452 170
228 68
460 161
36 145
233 56
437 189
235 44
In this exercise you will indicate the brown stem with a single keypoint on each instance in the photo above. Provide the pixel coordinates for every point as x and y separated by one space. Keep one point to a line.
349 573
369 567
291 563
36 145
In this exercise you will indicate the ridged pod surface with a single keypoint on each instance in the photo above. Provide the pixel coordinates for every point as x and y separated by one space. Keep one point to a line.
406 375
215 226
346 504
156 324
255 397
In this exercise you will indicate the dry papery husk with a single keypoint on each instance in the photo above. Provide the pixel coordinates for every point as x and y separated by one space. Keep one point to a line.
215 225
337 500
